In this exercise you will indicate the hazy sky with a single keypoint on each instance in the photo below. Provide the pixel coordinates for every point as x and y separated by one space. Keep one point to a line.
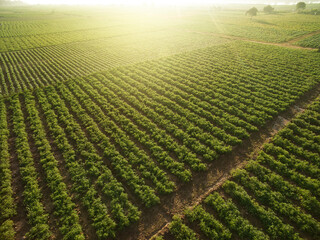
126 2
156 2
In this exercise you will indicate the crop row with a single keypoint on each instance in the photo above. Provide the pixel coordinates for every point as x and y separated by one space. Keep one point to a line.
56 38
7 207
33 68
37 217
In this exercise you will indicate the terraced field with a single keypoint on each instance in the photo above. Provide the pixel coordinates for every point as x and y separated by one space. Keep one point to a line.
111 122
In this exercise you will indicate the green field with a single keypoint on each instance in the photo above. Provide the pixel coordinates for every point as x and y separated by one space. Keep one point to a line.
115 119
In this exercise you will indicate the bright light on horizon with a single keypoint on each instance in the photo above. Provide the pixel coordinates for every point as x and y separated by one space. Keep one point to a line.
124 2
148 2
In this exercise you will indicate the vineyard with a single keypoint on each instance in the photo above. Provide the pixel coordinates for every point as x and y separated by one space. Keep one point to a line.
112 129
274 196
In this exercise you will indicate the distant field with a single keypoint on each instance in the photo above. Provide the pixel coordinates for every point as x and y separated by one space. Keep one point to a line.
32 68
114 119
40 27
40 46
264 27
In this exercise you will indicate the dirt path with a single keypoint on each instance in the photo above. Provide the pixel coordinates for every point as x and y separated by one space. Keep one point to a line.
287 44
155 220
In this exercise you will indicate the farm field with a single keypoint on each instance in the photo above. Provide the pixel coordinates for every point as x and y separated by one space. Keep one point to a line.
113 120
274 196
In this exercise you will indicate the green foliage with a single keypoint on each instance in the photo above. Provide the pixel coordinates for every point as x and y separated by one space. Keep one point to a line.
268 9
157 238
229 213
65 208
301 5
211 227
37 217
278 203
7 206
252 12
7 230
180 231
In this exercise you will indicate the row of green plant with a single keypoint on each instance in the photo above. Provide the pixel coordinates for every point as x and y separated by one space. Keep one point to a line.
38 67
123 166
81 184
63 204
123 211
8 206
121 138
32 195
